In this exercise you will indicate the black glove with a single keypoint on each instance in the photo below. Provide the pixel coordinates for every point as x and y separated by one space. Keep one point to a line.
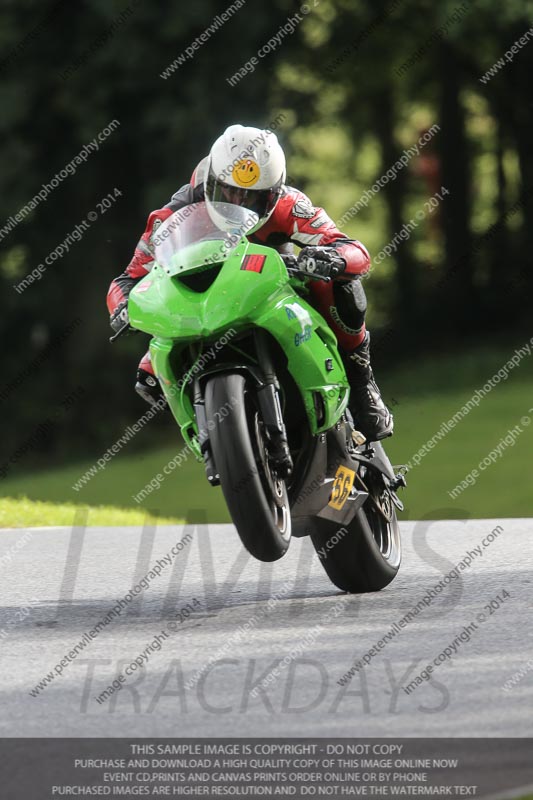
119 318
321 261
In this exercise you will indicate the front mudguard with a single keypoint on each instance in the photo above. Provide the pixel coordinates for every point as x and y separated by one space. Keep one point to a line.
178 400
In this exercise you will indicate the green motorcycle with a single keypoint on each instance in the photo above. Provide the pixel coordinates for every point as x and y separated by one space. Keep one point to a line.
253 377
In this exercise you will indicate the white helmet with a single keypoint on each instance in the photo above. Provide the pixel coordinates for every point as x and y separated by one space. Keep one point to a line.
246 167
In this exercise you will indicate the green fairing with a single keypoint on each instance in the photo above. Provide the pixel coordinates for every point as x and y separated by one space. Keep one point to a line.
238 300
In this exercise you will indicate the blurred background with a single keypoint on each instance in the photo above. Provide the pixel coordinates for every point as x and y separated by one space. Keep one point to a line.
350 86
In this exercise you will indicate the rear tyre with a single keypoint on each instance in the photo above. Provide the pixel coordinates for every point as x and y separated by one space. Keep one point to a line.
257 500
365 555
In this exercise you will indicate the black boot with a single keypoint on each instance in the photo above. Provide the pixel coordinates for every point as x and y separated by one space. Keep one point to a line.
149 388
371 415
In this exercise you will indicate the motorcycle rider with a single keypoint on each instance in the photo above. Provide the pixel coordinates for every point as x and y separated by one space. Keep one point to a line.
246 166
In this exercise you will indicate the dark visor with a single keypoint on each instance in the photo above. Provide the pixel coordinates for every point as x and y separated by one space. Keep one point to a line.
260 201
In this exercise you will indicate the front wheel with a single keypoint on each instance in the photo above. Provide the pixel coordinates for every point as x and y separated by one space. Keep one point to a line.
256 498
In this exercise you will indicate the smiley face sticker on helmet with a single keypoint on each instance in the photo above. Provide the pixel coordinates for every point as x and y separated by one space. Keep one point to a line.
246 173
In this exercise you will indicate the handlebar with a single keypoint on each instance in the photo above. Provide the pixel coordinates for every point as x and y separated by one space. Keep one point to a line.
125 328
291 263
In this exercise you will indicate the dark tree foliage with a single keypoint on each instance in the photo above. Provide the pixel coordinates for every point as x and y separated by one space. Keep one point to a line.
68 70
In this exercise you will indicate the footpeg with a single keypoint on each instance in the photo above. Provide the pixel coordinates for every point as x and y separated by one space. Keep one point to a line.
399 481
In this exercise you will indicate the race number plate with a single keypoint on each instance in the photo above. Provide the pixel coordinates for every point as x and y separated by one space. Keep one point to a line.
342 486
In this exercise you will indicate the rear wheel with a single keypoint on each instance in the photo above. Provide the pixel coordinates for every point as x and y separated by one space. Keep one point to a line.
365 555
256 498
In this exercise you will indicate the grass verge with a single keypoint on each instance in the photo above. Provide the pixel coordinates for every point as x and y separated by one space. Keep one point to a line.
422 396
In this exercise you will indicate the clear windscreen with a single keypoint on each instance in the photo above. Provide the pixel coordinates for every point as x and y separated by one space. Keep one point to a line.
199 235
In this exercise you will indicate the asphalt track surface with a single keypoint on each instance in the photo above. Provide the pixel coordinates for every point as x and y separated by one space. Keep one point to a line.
60 582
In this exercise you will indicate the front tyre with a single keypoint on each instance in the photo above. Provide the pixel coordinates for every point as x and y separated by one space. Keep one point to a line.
256 498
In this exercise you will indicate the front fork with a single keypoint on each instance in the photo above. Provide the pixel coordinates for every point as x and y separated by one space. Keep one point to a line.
270 407
267 393
203 436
